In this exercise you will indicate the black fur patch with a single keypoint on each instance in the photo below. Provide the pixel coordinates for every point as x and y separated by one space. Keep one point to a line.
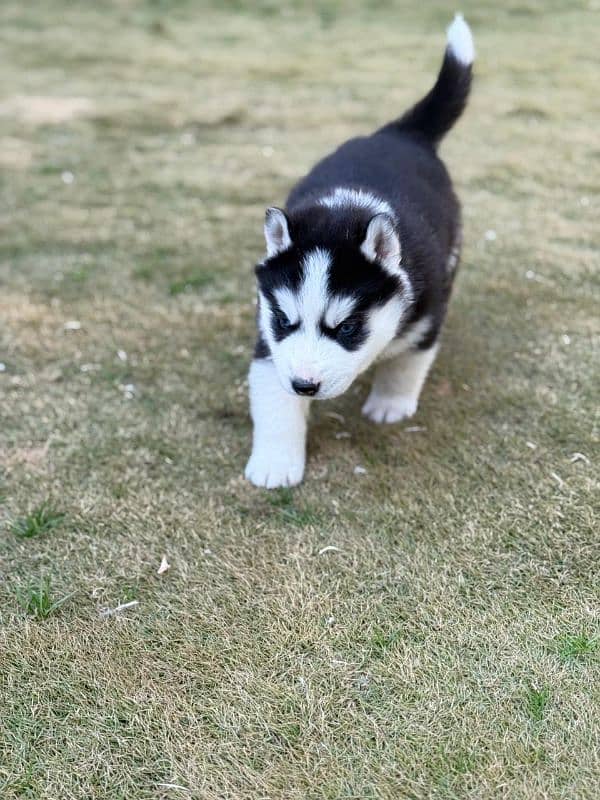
280 324
261 348
348 339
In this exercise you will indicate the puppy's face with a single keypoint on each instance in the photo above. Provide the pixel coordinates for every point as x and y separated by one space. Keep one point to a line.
327 310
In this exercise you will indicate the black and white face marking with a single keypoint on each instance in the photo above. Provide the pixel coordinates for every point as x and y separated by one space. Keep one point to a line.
341 323
325 314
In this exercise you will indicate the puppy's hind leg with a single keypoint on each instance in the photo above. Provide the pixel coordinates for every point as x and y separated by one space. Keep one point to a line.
397 385
279 436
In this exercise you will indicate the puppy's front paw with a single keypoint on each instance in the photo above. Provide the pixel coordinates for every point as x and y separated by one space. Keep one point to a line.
272 468
380 408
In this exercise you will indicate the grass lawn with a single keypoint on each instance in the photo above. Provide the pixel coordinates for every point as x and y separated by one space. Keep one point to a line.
426 628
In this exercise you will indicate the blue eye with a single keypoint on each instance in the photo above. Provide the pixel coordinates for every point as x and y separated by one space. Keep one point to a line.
347 328
282 321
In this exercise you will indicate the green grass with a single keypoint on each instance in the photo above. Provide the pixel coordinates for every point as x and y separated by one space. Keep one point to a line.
578 646
427 630
36 599
283 500
41 520
190 282
536 702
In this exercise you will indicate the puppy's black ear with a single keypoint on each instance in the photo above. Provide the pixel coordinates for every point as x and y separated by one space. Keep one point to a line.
277 232
382 244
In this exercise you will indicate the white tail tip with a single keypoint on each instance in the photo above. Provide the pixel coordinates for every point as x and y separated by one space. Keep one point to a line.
460 41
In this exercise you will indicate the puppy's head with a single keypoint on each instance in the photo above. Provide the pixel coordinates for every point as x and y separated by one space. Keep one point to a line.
331 295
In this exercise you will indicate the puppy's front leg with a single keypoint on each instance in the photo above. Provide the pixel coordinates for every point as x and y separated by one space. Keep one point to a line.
279 436
397 386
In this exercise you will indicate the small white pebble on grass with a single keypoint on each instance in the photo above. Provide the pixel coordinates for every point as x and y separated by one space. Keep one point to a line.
329 549
188 138
530 275
67 177
2 366
566 339
358 470
330 621
72 325
531 445
579 457
363 682
109 612
164 566
121 355
342 435
128 390
490 235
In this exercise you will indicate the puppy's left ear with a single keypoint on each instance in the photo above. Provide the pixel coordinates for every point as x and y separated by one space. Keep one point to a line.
277 231
382 244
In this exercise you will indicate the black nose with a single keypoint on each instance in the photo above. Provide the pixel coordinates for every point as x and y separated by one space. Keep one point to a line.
305 387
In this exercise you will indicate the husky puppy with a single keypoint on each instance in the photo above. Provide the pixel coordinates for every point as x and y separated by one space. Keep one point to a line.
359 268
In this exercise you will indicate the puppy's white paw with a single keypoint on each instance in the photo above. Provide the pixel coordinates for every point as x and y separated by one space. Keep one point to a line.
272 469
380 408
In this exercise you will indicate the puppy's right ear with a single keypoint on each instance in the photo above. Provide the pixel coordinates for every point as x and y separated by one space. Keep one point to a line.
277 232
382 244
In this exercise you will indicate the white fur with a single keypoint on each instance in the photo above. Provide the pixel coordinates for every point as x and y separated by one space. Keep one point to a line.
460 41
339 309
397 386
342 197
313 297
409 339
279 432
288 303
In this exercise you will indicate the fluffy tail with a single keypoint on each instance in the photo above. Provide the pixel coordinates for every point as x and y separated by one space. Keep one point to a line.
436 113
